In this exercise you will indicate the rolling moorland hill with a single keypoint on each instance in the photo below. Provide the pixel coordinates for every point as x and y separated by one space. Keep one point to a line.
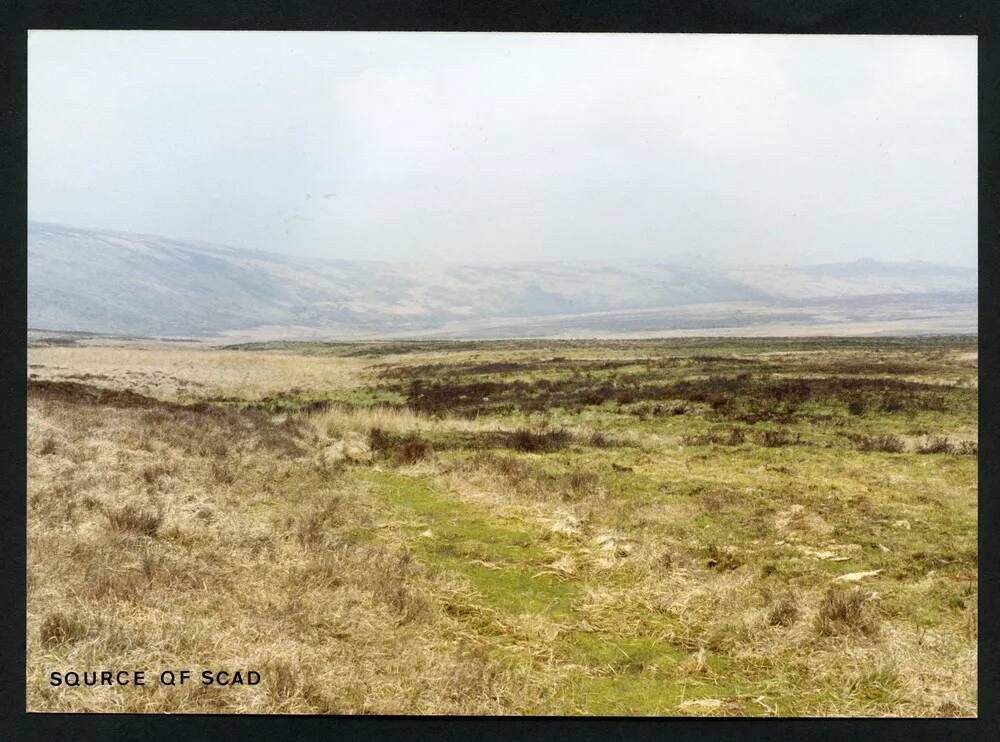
86 280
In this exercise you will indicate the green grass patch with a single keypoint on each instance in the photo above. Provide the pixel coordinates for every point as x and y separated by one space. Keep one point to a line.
501 560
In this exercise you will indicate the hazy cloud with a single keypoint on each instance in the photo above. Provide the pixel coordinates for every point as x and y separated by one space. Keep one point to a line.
512 146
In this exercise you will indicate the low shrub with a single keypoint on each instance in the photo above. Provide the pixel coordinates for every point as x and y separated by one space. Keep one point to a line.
778 438
403 449
378 441
888 442
413 450
600 440
937 444
893 403
625 397
736 437
784 612
525 440
967 448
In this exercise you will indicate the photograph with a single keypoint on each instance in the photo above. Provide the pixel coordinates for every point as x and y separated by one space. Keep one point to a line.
502 374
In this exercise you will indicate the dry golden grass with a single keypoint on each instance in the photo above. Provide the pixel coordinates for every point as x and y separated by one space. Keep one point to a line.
166 539
338 420
188 371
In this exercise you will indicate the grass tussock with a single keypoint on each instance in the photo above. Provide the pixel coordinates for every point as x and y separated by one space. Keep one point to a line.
843 612
135 519
785 612
59 628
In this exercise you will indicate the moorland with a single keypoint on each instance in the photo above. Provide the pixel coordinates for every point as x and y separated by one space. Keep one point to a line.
687 526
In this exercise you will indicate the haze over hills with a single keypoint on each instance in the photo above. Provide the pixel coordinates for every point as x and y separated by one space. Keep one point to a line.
117 283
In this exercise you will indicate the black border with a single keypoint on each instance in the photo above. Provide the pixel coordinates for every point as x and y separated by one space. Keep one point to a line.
704 16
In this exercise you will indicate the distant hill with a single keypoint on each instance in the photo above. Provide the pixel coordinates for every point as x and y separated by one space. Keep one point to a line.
117 283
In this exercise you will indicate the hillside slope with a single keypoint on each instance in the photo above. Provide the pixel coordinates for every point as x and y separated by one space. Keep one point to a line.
112 282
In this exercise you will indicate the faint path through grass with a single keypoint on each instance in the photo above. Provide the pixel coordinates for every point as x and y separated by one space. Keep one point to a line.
505 561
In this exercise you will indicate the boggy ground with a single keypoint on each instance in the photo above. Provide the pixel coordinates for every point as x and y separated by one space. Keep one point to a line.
722 527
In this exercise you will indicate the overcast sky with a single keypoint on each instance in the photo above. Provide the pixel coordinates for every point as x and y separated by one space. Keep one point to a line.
512 146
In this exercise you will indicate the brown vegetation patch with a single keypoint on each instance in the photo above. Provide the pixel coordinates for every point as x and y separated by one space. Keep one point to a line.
412 451
146 521
937 444
779 438
199 428
843 612
555 364
61 628
723 559
403 448
523 439
75 392
785 611
746 397
887 442
943 444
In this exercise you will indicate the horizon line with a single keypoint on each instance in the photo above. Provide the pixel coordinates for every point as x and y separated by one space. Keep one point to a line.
667 260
